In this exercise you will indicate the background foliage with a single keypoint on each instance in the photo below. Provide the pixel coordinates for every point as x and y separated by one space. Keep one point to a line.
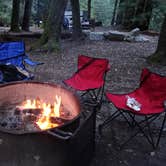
159 8
101 11
5 12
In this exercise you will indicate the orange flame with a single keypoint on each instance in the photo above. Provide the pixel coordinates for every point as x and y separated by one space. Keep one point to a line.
48 110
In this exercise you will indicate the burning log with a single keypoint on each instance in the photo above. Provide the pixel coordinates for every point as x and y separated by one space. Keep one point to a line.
58 120
28 114
34 111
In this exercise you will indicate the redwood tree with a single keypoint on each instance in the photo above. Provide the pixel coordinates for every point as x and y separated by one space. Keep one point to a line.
52 27
113 21
89 9
77 31
27 14
135 13
15 16
160 54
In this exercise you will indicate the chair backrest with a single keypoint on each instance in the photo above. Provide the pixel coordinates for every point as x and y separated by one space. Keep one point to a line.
92 68
153 85
84 61
12 52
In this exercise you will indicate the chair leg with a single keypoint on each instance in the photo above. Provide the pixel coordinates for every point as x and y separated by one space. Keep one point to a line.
95 96
89 97
141 126
132 117
112 117
161 130
149 132
148 136
107 121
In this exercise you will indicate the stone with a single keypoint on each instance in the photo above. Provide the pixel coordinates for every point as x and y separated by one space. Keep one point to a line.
114 35
97 36
109 145
152 153
132 36
129 150
135 32
141 38
87 33
36 157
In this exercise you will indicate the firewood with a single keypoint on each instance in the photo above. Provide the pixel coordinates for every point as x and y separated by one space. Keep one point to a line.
58 120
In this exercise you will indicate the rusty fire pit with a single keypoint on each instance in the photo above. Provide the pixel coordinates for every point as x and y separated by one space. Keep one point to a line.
68 140
27 107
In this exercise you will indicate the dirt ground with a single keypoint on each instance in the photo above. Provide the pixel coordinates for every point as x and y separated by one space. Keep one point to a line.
126 62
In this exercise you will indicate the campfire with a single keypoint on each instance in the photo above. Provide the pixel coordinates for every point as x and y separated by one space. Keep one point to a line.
44 115
46 112
32 107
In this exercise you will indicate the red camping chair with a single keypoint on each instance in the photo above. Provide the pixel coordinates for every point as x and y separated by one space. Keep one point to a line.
146 101
90 78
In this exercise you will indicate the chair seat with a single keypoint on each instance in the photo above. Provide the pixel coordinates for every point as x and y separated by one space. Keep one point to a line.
151 94
147 106
82 84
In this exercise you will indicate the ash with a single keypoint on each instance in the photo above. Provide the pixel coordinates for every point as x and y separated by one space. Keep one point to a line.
11 122
19 121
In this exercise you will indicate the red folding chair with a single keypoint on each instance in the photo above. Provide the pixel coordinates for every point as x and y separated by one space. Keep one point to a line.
147 101
90 78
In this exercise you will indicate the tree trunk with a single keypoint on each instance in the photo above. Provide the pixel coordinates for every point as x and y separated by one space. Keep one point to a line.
143 14
15 16
89 9
113 22
52 28
129 10
121 11
162 38
135 13
77 31
160 55
27 13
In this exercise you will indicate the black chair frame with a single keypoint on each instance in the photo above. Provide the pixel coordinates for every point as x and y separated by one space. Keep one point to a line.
95 95
143 126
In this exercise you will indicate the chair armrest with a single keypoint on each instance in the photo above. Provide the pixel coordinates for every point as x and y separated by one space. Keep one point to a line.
32 63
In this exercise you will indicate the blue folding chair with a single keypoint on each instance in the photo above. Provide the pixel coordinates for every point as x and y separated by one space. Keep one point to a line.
13 53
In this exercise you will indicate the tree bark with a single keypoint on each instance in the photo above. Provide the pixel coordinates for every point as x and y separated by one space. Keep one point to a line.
113 22
15 16
27 13
143 14
121 11
77 31
135 13
162 38
129 11
89 9
160 54
52 28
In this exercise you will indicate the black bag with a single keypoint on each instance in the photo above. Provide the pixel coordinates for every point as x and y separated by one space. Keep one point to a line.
10 73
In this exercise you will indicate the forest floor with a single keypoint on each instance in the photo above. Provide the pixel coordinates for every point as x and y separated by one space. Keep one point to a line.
127 59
